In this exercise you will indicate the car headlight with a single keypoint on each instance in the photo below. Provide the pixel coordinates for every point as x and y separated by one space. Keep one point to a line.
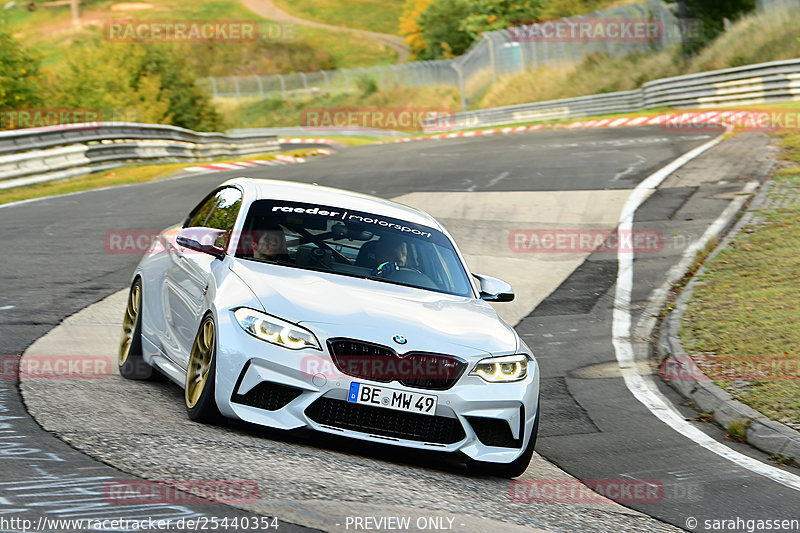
274 330
502 369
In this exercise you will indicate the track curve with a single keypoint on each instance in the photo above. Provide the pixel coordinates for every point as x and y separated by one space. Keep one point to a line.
62 267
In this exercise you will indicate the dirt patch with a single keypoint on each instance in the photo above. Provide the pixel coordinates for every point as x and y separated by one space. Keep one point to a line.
131 6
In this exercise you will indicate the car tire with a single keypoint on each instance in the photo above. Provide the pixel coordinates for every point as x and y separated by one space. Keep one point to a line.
508 470
201 405
130 361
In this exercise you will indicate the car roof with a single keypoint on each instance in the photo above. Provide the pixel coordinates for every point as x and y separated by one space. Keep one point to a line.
267 189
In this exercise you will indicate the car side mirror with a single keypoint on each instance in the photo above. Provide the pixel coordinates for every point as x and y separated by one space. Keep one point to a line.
205 240
493 289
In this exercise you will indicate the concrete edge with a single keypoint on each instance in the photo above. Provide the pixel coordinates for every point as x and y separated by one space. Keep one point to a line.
762 433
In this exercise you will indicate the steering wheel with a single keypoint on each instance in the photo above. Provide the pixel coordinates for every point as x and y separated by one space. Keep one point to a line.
388 267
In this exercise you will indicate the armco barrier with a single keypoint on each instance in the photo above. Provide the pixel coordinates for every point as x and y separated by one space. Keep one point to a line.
777 81
44 154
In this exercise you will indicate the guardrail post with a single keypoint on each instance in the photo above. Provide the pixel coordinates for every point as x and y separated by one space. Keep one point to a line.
283 86
236 85
260 86
460 85
490 40
327 81
305 80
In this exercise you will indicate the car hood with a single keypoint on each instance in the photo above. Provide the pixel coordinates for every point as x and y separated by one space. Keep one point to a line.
334 305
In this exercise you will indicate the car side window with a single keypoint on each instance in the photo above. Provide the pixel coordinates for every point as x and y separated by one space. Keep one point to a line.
217 211
228 203
198 216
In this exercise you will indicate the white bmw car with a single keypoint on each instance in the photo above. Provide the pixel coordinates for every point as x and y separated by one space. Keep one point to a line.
299 306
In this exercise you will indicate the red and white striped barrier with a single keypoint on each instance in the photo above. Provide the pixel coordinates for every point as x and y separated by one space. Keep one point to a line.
673 120
307 140
280 159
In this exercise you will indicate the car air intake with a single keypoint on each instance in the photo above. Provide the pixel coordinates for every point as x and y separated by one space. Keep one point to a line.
493 432
380 363
385 422
268 396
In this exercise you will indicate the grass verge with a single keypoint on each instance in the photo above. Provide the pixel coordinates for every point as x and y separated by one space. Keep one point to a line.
754 39
374 15
742 326
280 49
274 112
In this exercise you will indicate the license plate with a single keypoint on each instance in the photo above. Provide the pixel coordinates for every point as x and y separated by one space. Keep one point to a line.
399 400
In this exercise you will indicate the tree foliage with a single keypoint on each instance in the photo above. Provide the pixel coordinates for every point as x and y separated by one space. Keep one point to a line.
711 14
135 82
410 28
446 28
19 69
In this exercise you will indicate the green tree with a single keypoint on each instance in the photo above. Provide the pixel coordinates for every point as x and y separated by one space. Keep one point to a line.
449 27
441 28
490 15
19 69
133 82
190 106
108 78
711 14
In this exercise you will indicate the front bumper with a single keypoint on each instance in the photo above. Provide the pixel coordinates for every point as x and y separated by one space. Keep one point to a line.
285 389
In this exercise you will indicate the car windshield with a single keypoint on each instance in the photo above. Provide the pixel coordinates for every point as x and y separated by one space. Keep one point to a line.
352 243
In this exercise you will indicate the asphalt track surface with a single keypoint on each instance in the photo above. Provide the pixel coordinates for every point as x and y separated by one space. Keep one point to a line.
592 427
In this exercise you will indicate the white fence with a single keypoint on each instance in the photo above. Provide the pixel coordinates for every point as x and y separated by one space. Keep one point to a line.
497 52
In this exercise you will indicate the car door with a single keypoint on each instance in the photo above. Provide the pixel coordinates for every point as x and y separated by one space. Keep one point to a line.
189 275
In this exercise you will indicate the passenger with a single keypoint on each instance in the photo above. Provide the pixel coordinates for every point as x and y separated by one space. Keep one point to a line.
271 246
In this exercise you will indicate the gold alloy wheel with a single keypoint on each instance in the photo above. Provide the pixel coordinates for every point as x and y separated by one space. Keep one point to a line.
129 323
200 363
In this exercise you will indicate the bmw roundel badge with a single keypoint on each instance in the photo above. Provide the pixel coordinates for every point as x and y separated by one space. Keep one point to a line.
399 339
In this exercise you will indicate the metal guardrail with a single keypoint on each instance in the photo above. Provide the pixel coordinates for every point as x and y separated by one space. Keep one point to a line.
45 154
776 81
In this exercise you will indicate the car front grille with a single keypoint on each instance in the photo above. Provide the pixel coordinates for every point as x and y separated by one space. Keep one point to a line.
385 422
380 363
268 396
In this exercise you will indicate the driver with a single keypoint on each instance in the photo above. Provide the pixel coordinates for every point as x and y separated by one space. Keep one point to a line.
391 251
271 245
